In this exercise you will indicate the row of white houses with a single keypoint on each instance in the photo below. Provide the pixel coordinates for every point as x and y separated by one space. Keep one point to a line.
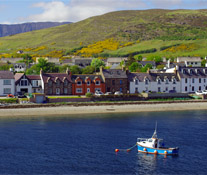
182 80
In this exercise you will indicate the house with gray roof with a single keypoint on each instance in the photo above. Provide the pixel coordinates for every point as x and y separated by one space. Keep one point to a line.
153 82
192 78
36 83
115 80
7 83
56 83
190 61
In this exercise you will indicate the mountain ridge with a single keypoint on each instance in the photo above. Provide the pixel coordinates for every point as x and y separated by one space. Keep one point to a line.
12 29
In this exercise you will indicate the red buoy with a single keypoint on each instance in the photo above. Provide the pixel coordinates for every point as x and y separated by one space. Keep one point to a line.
116 150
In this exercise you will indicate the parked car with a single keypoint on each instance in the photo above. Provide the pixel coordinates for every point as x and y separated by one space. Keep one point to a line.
108 93
204 92
118 93
20 95
172 91
10 96
198 92
99 93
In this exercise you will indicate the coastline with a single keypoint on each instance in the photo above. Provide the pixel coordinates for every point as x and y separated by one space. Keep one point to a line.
100 109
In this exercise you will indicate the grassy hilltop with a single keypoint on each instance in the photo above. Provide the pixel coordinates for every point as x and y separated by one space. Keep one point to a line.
168 32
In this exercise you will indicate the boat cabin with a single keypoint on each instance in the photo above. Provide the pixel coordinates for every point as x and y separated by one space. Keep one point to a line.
151 142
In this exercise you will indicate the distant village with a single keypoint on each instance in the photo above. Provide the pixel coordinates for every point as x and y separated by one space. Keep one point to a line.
183 75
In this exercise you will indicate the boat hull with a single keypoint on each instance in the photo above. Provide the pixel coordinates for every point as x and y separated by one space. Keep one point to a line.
164 151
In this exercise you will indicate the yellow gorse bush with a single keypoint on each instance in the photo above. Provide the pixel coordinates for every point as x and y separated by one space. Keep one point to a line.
182 47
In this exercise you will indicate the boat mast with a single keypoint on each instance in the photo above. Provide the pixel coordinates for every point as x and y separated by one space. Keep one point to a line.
155 132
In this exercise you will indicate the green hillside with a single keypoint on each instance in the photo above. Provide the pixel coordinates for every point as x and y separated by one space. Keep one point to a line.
151 28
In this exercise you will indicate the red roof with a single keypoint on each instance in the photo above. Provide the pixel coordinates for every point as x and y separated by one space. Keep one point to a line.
33 77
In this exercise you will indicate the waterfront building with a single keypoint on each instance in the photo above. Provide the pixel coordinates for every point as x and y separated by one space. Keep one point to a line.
36 83
7 83
153 82
56 83
22 83
192 79
83 84
115 80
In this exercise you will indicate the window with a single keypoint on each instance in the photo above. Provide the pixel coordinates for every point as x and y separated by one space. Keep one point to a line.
34 83
50 83
136 82
199 80
146 81
158 81
7 90
113 82
97 89
166 89
174 88
193 89
186 88
79 83
174 81
199 88
23 83
50 91
120 90
98 83
193 80
78 90
58 83
57 91
159 89
204 80
88 90
65 90
121 82
88 83
166 81
136 90
7 82
65 83
186 80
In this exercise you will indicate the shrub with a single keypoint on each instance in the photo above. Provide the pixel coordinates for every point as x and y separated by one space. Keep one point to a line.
89 94
8 100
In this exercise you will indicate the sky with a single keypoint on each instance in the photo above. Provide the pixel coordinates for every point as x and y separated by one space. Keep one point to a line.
20 11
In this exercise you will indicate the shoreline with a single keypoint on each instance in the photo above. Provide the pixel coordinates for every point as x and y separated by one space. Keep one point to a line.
100 109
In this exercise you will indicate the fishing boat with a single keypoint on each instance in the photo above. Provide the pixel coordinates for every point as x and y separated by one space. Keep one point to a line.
155 145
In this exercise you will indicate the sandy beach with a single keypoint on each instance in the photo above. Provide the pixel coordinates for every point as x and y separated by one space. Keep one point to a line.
67 110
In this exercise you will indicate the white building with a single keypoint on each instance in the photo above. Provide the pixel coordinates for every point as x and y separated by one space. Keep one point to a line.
153 82
192 79
190 61
22 83
36 83
7 83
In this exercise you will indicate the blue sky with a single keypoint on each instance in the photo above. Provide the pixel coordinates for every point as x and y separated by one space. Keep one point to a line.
20 11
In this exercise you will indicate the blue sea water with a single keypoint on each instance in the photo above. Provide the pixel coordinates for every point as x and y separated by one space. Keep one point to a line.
86 144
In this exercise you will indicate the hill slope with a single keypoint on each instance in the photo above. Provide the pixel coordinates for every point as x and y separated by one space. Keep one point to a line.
165 25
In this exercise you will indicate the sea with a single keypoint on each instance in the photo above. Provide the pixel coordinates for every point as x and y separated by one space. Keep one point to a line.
85 144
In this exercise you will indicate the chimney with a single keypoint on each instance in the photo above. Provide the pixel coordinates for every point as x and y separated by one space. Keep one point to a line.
168 63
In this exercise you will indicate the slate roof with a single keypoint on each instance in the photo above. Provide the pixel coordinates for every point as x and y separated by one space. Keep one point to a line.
193 72
152 76
18 76
33 77
114 73
84 76
6 75
54 76
143 63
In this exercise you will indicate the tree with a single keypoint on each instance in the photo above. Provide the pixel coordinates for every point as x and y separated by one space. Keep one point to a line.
146 67
97 63
139 58
88 70
134 67
44 65
27 59
75 69
203 63
130 60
